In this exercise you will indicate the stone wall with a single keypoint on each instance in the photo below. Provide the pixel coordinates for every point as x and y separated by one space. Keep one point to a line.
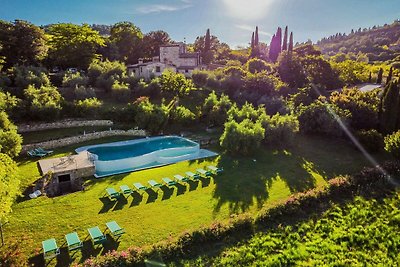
82 138
33 127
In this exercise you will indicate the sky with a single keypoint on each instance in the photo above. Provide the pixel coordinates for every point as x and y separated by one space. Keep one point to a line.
232 21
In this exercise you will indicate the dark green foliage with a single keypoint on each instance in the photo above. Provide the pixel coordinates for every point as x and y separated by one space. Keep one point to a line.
389 110
120 91
290 69
304 97
307 49
83 92
22 43
127 39
43 103
370 77
258 65
389 77
392 144
10 140
380 75
215 110
25 76
280 130
152 42
176 83
290 49
182 116
323 118
285 40
351 72
9 182
88 108
103 74
200 78
150 116
320 72
259 83
362 106
242 138
275 47
371 140
74 80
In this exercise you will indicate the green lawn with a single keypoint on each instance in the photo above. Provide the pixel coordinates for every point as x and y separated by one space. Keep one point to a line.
246 185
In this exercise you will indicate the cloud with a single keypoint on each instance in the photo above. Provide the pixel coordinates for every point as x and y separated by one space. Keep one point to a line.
158 8
249 28
248 10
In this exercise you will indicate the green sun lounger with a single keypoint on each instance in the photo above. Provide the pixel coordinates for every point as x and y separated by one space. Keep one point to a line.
41 150
33 153
115 229
126 189
139 187
153 183
215 169
204 172
192 175
168 181
112 194
180 178
73 241
50 248
96 235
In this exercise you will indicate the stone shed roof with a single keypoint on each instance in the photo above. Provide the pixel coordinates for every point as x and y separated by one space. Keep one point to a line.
66 164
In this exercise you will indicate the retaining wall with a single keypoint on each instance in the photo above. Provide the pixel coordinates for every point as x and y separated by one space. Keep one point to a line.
81 138
71 123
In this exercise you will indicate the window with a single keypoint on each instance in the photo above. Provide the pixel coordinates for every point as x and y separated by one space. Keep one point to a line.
186 71
158 69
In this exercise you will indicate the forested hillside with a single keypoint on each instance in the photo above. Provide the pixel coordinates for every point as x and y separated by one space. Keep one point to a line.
379 43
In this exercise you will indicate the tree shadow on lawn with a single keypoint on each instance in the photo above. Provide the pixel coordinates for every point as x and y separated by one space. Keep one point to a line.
167 192
121 202
247 181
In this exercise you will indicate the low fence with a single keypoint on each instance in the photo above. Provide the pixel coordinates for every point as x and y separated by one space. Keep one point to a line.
33 127
82 138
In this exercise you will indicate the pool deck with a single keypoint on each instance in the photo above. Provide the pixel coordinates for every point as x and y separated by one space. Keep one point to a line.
66 164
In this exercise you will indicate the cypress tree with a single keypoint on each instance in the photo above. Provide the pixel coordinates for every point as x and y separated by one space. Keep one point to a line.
291 42
272 49
279 40
256 40
285 40
370 77
390 108
207 41
252 41
389 77
380 75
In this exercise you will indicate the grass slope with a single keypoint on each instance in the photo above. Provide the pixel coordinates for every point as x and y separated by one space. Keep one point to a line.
246 185
362 233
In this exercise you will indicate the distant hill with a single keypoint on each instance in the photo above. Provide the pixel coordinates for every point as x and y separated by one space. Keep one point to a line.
379 43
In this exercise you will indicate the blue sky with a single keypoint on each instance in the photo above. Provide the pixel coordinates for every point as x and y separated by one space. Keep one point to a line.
231 20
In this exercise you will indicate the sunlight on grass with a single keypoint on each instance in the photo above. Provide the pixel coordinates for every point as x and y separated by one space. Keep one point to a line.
245 186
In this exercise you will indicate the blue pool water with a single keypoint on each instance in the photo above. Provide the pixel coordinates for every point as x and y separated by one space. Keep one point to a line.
132 155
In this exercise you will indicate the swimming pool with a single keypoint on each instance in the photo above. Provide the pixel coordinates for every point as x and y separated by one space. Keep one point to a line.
132 155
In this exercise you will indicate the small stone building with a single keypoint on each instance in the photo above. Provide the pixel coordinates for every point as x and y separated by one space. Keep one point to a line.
174 57
66 172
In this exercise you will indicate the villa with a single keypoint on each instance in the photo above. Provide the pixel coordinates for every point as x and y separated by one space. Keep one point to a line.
173 56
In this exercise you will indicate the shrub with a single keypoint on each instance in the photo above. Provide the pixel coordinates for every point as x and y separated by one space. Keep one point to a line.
150 116
73 80
88 107
121 91
242 138
176 83
83 92
259 82
104 70
200 78
106 83
323 118
10 140
273 105
182 116
4 80
214 110
281 130
151 89
43 103
258 65
24 76
371 140
392 144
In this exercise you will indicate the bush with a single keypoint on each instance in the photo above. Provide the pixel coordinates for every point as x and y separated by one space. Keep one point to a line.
214 110
176 83
323 118
4 80
182 116
104 70
200 78
371 140
43 103
10 140
83 92
73 80
88 107
242 138
281 130
121 91
150 116
392 144
258 65
25 76
106 83
151 89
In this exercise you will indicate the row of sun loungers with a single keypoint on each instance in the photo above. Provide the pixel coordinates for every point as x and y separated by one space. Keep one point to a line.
39 152
126 190
51 250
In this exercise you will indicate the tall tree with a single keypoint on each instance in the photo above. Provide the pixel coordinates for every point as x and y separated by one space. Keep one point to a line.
73 45
9 184
252 41
291 42
389 77
279 40
207 41
22 43
285 40
380 75
128 39
275 47
152 42
200 46
370 77
256 39
390 108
